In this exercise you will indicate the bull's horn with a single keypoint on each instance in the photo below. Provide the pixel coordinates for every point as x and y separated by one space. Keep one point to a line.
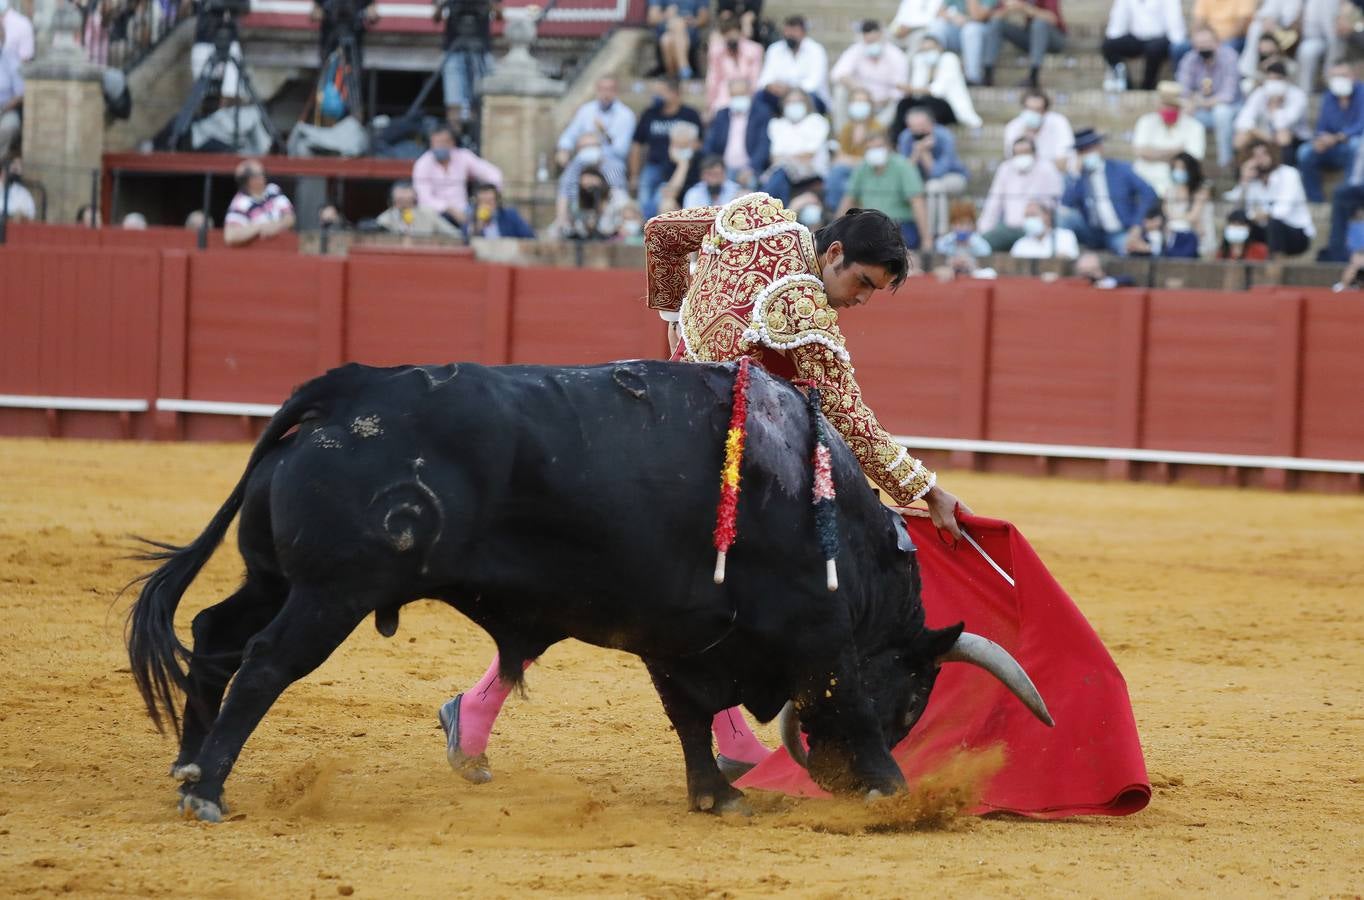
789 724
985 653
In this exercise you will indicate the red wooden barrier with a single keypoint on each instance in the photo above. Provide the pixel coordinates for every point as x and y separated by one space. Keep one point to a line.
581 316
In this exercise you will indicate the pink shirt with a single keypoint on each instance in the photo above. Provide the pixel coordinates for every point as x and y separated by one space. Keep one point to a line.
725 66
446 187
881 76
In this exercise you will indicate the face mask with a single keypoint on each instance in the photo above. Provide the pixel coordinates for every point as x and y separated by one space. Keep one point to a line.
930 57
795 111
962 235
588 197
810 215
732 45
1033 226
740 105
1276 88
1023 161
793 43
1236 234
1092 162
920 135
590 155
1156 240
1169 115
682 154
1207 54
873 50
1179 176
1341 86
1032 119
876 157
631 227
442 154
859 110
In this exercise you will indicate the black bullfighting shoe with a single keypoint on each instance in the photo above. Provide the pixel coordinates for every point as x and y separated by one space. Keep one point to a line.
732 769
474 769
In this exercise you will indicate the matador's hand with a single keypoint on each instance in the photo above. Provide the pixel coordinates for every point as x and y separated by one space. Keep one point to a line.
942 507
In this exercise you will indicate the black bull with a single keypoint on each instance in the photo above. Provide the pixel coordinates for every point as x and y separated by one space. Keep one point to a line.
549 503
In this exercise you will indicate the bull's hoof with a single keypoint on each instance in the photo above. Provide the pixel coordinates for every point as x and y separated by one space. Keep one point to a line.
189 772
730 804
192 807
473 769
732 769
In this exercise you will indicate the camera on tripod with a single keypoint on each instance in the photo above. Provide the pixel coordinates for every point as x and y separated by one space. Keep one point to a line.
468 25
345 16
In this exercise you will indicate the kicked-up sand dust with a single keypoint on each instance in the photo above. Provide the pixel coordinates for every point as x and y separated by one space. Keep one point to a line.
1236 616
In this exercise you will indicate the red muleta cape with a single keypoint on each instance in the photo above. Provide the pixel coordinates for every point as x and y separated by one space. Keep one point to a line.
1089 764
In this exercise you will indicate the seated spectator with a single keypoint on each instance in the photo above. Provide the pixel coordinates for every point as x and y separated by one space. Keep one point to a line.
404 216
1188 200
961 28
852 143
1020 178
798 61
1162 135
1049 131
1034 26
590 152
714 188
489 217
890 183
962 236
810 210
1228 19
1275 113
16 202
800 147
1091 268
1139 28
1272 17
1237 242
937 83
1106 199
1270 52
1339 126
1212 88
651 164
1275 202
259 211
442 174
678 24
595 212
732 57
18 31
728 135
1155 238
134 221
11 97
197 221
604 116
912 21
933 149
684 144
631 229
874 65
1041 240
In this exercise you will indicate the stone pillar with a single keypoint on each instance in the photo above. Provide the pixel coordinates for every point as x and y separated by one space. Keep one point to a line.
518 106
63 118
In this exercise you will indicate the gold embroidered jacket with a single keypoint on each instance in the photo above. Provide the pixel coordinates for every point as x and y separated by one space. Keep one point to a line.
757 292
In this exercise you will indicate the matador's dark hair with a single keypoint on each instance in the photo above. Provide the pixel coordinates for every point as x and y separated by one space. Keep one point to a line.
869 237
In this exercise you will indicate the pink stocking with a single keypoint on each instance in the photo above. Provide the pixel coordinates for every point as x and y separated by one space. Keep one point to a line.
734 738
479 708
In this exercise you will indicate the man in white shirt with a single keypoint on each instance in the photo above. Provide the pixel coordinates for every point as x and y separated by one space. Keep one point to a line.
1275 202
714 188
1040 239
800 146
797 61
604 115
912 20
1050 131
1162 135
1019 180
873 64
18 31
1275 112
1145 28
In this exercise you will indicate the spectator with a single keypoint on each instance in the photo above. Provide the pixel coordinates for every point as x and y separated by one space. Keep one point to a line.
1270 52
1090 267
1035 26
798 61
259 209
933 149
912 21
589 153
1040 239
206 24
1237 243
1321 40
1339 126
961 28
888 182
728 134
1275 113
683 144
852 144
809 210
489 217
11 97
874 65
1346 201
595 212
404 216
1162 135
197 221
1141 28
86 217
1272 17
936 82
766 106
442 174
800 147
1228 19
732 57
631 229
1188 200
651 164
1212 88
1020 178
134 221
1275 202
678 24
604 116
18 31
1106 199
1050 131
962 236
714 188
1354 243
1155 238
17 203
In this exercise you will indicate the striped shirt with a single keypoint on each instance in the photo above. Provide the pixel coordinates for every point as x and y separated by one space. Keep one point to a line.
245 209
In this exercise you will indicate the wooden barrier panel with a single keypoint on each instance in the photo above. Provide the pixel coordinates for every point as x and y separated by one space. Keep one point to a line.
1332 400
582 316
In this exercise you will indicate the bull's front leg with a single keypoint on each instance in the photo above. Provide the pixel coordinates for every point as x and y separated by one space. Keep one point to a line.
707 788
848 752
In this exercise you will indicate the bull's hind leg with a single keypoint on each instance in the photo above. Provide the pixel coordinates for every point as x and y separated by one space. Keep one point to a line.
312 624
707 788
220 633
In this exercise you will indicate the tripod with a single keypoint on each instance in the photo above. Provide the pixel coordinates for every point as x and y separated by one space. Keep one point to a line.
222 56
346 53
473 57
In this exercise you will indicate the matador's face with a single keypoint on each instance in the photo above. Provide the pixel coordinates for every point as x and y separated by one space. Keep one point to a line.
849 283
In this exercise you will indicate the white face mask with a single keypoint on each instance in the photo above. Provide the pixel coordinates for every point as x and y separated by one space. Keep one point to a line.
1092 162
930 57
1032 119
631 227
1341 86
810 215
1023 161
740 105
1236 234
795 111
859 110
877 157
873 50
1034 226
1275 87
590 155
1156 240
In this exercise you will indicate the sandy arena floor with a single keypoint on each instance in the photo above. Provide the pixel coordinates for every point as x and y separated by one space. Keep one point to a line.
1236 617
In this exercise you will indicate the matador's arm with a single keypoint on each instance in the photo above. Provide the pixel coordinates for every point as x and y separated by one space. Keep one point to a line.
668 239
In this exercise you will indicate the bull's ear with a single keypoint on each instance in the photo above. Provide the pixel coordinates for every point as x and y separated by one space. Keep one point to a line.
934 642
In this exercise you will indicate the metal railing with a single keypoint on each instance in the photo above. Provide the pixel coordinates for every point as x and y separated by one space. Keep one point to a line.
121 33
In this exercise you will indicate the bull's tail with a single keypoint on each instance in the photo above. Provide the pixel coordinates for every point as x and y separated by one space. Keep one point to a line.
157 656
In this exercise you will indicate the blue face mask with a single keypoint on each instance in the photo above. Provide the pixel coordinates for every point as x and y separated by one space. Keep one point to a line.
442 154
1179 176
962 236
